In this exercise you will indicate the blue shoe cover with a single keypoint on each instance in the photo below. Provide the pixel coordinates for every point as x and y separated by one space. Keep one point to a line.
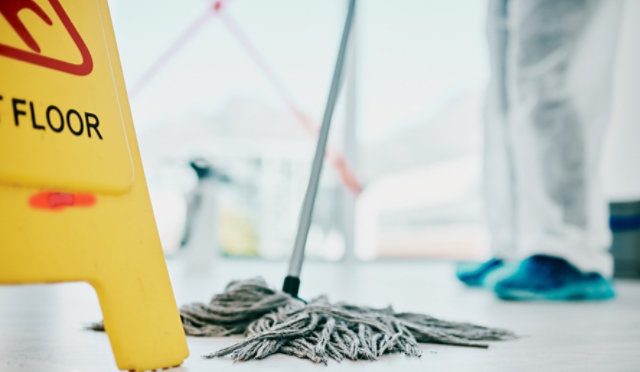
543 277
473 274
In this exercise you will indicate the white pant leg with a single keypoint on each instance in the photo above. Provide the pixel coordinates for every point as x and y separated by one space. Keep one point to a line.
559 72
498 182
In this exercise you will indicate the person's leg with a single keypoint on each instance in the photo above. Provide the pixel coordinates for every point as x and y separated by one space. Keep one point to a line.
559 67
498 168
498 172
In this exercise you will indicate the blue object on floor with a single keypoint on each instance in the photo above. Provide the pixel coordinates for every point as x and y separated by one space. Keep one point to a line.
474 274
542 277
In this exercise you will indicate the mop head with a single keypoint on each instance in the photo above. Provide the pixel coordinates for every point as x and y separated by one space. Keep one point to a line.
274 322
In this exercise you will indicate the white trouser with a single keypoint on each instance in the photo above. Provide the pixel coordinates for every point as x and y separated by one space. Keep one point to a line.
547 109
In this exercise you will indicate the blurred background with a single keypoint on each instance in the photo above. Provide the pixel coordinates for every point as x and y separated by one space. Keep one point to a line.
227 96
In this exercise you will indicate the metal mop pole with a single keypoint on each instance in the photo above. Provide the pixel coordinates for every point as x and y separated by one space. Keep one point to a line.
292 280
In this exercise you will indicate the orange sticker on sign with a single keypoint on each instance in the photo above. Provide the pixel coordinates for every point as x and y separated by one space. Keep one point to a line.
59 200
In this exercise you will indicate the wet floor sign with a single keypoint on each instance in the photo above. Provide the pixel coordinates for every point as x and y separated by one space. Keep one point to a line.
74 204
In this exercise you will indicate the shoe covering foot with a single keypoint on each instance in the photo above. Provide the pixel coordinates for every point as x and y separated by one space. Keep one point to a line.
542 277
474 274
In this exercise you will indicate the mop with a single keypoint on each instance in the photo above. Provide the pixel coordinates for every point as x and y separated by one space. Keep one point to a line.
279 322
275 321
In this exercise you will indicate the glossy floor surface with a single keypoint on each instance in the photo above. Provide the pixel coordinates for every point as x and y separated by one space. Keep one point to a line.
41 327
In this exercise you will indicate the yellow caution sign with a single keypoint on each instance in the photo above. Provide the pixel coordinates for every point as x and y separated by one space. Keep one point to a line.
74 204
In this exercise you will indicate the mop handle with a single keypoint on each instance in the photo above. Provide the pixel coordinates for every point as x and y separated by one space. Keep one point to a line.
292 281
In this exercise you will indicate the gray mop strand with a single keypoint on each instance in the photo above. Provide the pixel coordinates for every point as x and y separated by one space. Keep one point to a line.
274 322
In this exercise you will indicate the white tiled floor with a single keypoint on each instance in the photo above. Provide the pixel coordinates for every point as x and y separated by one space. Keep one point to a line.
41 326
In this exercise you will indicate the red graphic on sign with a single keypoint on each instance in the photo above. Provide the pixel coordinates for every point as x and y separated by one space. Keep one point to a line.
10 9
59 200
